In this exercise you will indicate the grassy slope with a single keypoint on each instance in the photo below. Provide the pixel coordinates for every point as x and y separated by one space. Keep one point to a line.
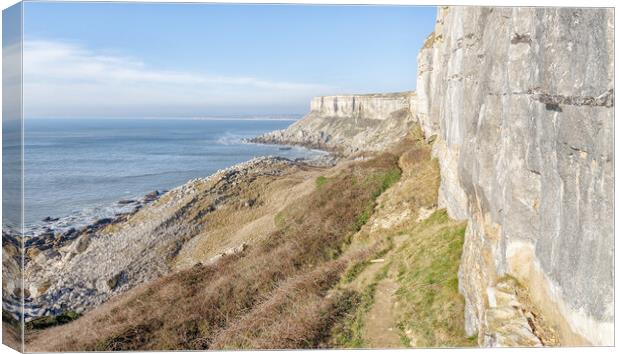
420 257
427 264
310 283
252 300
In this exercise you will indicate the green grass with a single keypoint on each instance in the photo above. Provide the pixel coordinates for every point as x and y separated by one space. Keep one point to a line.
379 181
355 270
349 332
279 220
320 181
428 284
382 181
363 218
426 261
386 179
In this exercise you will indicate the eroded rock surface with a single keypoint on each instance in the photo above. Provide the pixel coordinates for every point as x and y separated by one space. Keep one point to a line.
520 101
349 123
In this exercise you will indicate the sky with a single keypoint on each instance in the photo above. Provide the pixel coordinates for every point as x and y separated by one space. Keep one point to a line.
11 66
192 60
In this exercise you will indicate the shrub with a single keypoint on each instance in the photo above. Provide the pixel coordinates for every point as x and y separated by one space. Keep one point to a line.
50 321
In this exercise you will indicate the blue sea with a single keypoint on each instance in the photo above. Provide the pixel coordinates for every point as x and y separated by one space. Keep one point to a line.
78 170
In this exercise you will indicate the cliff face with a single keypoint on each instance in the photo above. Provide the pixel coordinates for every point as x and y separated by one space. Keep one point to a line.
372 106
350 123
521 103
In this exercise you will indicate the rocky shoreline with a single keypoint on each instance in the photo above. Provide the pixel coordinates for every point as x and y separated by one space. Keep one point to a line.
79 221
319 141
79 268
53 237
51 242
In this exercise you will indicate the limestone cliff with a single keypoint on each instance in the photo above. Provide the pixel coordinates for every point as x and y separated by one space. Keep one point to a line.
521 103
349 123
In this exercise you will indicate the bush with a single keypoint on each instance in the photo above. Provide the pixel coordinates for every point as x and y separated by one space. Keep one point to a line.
50 321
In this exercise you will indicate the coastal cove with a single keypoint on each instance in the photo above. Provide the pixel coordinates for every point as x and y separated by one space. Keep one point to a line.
80 171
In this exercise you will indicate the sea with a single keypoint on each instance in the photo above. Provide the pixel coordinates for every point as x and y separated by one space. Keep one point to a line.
77 170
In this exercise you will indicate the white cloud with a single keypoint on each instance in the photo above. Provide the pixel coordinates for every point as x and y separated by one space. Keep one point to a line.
11 80
65 79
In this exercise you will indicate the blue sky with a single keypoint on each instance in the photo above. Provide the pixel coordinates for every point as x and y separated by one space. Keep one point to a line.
141 59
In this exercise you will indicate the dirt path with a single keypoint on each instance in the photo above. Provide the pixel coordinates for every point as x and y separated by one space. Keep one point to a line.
380 329
381 322
395 215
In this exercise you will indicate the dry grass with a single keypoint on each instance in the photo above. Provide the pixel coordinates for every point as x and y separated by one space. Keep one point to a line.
273 295
233 222
296 315
420 183
11 332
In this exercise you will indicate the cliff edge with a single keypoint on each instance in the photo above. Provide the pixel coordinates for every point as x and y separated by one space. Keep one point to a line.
521 103
347 124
